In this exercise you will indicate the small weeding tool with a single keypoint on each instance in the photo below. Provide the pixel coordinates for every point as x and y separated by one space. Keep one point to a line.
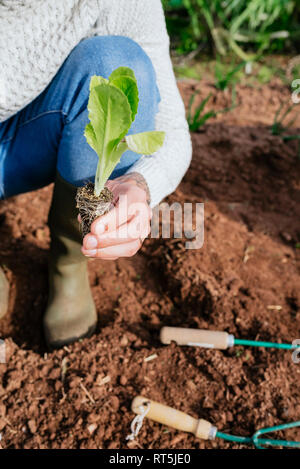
202 428
213 339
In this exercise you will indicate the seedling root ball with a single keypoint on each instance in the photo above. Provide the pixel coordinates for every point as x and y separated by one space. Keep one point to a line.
90 206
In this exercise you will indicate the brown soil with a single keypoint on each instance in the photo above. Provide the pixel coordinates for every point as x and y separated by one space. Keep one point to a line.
249 181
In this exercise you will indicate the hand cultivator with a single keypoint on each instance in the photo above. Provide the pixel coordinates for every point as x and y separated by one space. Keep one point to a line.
202 428
213 339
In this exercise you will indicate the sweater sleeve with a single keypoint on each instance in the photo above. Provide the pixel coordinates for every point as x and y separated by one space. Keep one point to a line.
163 170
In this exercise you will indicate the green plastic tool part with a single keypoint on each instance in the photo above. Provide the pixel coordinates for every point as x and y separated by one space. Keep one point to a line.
260 443
257 343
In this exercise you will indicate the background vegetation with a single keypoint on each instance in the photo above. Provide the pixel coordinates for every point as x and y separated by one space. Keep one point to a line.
235 41
246 28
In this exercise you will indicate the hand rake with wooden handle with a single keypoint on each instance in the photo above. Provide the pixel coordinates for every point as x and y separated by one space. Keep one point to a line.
174 418
203 429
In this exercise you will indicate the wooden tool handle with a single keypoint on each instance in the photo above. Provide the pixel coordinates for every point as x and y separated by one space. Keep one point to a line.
197 337
174 418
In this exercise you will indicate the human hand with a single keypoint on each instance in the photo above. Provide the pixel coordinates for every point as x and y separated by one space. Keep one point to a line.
121 231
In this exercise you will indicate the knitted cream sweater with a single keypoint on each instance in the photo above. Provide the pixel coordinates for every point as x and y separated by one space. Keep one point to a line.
36 36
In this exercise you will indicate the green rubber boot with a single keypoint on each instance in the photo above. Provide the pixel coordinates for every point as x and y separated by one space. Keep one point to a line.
71 313
4 294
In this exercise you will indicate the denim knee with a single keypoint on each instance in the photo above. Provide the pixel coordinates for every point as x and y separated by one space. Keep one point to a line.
100 55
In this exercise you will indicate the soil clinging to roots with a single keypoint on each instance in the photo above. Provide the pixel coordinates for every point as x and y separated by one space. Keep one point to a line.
90 206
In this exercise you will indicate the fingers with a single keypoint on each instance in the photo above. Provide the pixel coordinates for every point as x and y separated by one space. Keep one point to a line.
111 220
137 228
124 209
119 233
113 252
110 184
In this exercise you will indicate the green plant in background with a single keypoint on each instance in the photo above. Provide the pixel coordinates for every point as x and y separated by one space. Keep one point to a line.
265 74
234 25
262 24
179 27
112 107
280 125
226 75
187 72
196 119
293 68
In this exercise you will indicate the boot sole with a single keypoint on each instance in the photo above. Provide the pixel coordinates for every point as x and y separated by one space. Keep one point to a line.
61 343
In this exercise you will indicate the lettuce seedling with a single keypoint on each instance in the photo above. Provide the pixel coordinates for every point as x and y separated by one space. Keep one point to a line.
112 107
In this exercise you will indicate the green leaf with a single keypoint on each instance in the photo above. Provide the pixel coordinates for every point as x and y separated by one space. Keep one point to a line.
124 79
110 118
112 108
97 80
114 159
90 136
109 114
129 87
145 143
122 72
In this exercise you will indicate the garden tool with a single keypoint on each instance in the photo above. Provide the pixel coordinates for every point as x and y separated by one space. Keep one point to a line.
202 428
71 312
213 339
4 293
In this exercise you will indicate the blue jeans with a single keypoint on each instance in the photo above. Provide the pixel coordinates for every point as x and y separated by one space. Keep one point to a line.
47 135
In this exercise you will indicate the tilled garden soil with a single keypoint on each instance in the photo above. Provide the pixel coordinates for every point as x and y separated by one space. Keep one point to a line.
244 280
